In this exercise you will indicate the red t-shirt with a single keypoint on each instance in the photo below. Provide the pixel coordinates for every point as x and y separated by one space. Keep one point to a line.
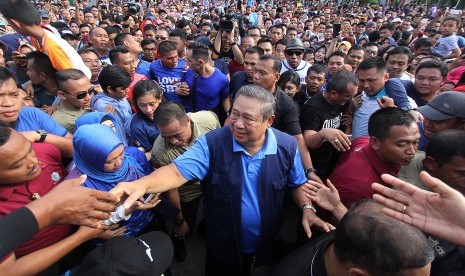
235 67
357 169
16 196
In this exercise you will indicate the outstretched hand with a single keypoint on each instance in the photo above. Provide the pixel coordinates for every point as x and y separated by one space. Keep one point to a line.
440 213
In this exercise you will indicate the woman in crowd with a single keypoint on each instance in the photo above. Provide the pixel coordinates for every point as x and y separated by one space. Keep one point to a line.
106 163
147 95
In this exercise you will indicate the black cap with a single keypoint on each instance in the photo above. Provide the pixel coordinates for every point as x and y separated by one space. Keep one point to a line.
148 254
445 106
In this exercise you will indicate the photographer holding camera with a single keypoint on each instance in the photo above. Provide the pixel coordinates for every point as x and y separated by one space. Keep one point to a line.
226 40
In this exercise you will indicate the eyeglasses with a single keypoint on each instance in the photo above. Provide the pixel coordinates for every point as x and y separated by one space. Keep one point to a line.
158 37
297 53
234 116
149 49
82 94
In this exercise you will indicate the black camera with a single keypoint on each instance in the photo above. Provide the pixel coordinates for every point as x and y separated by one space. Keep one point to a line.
226 23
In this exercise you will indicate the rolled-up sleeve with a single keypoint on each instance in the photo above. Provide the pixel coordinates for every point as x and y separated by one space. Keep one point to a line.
194 163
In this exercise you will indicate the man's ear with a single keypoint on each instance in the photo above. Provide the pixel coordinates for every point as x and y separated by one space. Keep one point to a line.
375 143
430 164
62 95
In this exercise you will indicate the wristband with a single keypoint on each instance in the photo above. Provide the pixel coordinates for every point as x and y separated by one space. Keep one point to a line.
308 206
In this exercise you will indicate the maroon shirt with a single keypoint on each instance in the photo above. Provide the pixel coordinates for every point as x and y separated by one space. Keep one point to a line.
357 169
235 67
13 197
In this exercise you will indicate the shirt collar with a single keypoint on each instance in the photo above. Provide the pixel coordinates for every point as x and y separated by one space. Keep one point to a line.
380 166
380 94
269 148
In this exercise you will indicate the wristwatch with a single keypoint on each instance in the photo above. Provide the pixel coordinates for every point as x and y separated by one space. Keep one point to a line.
43 135
308 206
308 171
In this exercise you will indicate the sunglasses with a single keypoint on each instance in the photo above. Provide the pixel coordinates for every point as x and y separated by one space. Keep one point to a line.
82 94
297 53
160 37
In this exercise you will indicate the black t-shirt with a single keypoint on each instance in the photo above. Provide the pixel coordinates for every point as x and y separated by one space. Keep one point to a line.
307 259
286 114
315 115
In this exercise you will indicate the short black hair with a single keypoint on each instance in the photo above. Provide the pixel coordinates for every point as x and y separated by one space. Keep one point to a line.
112 30
317 68
340 81
145 87
61 77
6 74
146 41
150 27
373 62
41 63
113 76
199 51
264 39
179 33
254 50
282 41
166 46
5 133
276 62
337 54
381 121
120 38
355 47
169 111
114 53
422 42
446 144
388 26
367 238
435 64
21 10
456 19
400 50
287 76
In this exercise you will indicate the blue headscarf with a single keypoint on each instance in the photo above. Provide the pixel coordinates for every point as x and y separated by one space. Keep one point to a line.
97 117
92 145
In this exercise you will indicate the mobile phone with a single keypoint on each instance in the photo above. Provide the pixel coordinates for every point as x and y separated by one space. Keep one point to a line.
336 30
148 198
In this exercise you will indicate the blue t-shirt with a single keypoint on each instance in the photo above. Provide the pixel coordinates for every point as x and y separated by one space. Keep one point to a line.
143 132
143 68
169 79
221 65
210 90
32 119
445 45
193 164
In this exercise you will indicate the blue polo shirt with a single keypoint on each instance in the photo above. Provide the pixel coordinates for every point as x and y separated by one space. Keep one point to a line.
32 119
193 164
143 68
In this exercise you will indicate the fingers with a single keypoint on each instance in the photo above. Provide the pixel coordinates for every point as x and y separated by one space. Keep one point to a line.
399 184
307 226
390 194
331 186
103 206
435 184
94 214
398 215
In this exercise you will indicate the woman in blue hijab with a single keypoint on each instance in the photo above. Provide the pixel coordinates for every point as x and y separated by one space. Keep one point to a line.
100 154
103 118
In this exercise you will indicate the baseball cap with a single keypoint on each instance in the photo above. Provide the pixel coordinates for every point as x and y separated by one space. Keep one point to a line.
204 40
43 14
148 254
445 106
294 44
67 32
397 20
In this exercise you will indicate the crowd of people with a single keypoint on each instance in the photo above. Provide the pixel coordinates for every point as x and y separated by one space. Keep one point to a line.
291 135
